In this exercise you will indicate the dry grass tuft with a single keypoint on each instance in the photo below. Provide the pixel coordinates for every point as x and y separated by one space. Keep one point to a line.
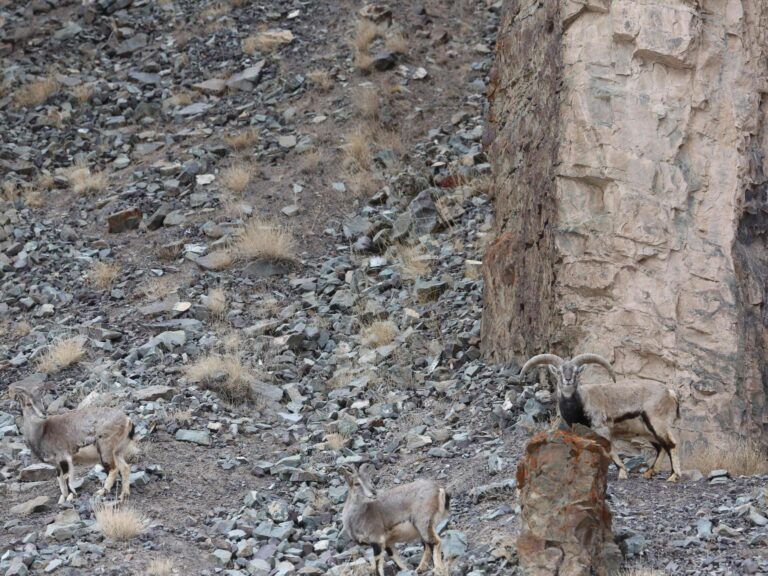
321 80
221 259
181 98
216 302
364 61
10 190
83 92
36 93
266 41
225 375
739 456
119 522
237 177
156 288
33 196
61 354
160 567
21 329
103 275
242 140
379 333
336 441
641 571
265 239
412 261
368 104
397 43
83 181
215 11
357 151
365 35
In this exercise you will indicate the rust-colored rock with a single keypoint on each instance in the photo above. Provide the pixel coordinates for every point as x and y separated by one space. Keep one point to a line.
124 220
629 143
566 523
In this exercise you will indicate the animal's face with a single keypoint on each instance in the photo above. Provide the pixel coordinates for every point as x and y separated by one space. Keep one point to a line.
567 377
27 402
359 483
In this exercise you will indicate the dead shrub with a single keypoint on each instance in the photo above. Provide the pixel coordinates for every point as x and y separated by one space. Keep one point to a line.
221 259
237 177
321 80
61 354
266 41
103 275
741 457
242 140
160 567
265 239
225 375
367 103
364 62
83 181
336 441
411 260
119 523
10 190
83 92
366 34
216 302
396 42
21 329
357 151
36 93
379 333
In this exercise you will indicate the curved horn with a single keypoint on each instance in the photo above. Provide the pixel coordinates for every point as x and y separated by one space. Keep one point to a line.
542 359
594 359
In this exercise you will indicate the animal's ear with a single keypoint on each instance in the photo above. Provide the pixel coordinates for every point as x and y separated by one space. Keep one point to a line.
580 369
367 470
348 474
553 370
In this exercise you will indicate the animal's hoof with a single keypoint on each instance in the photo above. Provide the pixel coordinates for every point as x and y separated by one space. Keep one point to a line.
623 475
62 499
648 474
673 478
100 493
70 497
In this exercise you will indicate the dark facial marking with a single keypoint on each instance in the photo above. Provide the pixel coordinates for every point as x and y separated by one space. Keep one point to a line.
572 410
376 550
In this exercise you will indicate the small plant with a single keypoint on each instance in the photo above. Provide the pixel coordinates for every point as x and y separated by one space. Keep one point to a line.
379 333
336 441
266 41
321 80
242 140
83 92
367 32
83 181
357 151
103 275
368 104
61 354
397 43
216 302
264 239
225 375
36 93
741 457
160 567
21 329
412 261
237 177
119 523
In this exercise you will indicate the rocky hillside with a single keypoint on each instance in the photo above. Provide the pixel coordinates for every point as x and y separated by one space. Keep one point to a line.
257 228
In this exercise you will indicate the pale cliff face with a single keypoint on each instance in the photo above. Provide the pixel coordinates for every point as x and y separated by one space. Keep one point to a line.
661 119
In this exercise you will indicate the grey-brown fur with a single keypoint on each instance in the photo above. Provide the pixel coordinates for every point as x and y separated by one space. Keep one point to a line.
402 514
639 409
84 436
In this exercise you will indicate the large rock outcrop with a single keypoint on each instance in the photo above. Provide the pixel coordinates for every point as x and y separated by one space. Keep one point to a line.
565 521
629 146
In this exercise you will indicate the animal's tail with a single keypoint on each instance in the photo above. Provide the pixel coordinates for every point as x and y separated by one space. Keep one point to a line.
676 400
131 430
445 502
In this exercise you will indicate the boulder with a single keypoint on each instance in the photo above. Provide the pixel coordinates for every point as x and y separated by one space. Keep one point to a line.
565 521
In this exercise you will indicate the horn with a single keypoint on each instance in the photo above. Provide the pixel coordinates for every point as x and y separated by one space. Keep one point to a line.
540 360
366 469
594 359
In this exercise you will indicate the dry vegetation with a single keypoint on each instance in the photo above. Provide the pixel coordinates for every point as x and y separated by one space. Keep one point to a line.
397 42
411 260
265 239
36 93
83 92
21 329
266 41
321 80
357 151
367 103
379 333
61 354
336 441
366 34
103 275
216 302
119 523
640 571
160 567
237 177
83 181
242 140
740 457
225 375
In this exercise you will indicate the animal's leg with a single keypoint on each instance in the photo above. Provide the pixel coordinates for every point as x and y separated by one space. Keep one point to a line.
674 457
669 441
62 485
378 558
392 551
71 480
125 476
653 468
437 558
425 558
110 481
605 432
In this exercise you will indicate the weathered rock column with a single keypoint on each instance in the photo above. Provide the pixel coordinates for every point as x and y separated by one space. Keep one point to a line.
566 524
629 145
